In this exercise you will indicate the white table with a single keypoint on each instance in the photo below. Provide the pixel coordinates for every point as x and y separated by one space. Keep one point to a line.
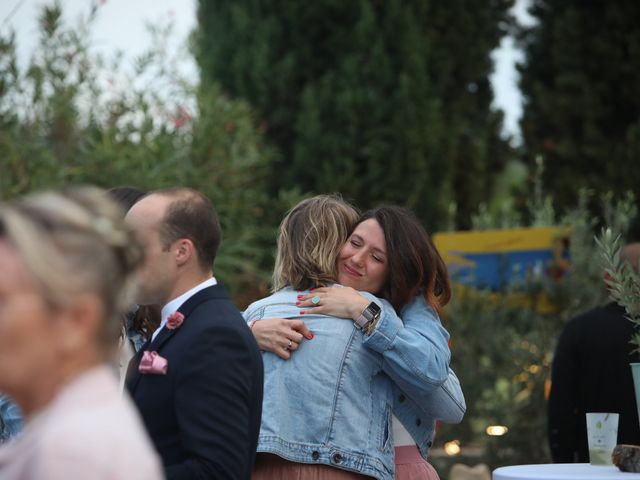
562 471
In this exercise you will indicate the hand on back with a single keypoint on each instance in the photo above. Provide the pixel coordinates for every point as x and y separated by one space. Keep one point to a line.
280 335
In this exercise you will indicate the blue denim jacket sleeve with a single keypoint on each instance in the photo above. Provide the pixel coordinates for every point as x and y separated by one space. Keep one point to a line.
10 419
415 348
446 403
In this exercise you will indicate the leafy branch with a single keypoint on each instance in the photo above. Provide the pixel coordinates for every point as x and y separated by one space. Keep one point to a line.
621 278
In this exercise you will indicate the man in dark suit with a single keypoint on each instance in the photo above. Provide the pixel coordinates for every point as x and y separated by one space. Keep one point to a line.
591 373
203 410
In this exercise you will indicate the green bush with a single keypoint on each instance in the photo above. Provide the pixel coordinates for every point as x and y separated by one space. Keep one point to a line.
623 279
71 117
503 343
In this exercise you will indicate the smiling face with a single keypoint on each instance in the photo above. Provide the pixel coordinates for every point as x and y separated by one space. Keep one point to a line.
363 261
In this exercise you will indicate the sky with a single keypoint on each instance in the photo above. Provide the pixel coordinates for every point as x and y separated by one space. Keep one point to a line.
121 25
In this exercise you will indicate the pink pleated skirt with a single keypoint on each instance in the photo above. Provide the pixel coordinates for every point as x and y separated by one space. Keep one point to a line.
273 467
411 466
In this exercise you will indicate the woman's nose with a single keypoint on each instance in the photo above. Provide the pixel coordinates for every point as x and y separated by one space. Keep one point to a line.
358 258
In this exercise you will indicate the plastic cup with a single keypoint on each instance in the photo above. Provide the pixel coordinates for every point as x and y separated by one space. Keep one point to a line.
602 435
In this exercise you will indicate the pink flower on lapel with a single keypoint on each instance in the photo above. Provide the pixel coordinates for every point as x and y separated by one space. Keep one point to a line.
175 320
153 363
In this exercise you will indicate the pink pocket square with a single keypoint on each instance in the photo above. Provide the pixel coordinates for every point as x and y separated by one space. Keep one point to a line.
153 363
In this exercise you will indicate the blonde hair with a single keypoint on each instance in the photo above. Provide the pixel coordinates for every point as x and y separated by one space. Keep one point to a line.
311 236
76 242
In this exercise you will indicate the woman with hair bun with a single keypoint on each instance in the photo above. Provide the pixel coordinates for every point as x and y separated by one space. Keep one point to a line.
68 263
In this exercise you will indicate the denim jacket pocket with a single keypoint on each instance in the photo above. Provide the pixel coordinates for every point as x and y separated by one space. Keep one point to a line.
387 438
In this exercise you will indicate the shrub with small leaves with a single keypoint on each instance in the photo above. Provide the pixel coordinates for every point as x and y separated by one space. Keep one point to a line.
622 279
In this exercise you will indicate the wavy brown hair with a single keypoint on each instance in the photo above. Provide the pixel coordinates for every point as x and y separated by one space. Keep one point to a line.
311 236
415 265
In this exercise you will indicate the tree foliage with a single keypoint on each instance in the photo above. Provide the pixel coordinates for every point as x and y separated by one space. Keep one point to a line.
581 83
384 101
623 279
503 342
71 117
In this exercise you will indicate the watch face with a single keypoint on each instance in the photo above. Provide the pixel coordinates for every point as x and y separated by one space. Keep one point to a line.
368 315
373 308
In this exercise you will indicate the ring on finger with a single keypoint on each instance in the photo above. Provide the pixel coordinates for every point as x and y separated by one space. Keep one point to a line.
289 346
315 300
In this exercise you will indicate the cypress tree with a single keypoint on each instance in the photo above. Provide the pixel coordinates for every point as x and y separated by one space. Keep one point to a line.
463 35
581 83
384 101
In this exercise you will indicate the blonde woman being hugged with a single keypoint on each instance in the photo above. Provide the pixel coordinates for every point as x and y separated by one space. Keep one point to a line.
327 409
388 253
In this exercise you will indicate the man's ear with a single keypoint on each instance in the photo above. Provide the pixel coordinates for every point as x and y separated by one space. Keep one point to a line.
184 250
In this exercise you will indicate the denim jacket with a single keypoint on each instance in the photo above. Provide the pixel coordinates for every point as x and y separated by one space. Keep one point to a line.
331 402
10 419
419 413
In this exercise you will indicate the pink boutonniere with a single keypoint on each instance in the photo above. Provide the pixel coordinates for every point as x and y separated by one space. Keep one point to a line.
175 320
153 363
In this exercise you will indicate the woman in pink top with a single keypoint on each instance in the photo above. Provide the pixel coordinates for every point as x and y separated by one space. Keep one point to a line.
67 263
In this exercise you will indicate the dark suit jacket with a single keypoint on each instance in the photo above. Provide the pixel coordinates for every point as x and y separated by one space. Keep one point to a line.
591 373
204 414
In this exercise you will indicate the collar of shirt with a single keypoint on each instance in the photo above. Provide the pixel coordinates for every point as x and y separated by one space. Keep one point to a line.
174 304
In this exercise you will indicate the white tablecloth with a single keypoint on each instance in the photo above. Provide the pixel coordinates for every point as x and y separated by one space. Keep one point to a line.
562 471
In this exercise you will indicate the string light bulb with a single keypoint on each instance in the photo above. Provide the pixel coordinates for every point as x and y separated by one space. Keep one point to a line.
496 430
452 448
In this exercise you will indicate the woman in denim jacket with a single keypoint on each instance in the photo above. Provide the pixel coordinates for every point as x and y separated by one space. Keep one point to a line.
392 235
330 405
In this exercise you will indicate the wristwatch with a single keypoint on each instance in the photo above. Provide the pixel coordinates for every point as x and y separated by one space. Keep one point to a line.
369 317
